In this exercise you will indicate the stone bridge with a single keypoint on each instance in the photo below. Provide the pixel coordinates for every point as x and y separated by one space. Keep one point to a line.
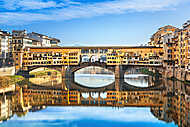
117 69
68 71
69 59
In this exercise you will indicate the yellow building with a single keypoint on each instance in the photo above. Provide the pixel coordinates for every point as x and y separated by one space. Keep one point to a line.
177 48
157 38
67 56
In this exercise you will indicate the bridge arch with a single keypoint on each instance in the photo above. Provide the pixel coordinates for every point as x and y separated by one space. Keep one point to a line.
94 95
85 95
94 58
85 58
96 64
57 68
103 58
103 95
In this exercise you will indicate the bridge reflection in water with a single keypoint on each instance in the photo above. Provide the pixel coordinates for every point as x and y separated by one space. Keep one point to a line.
168 100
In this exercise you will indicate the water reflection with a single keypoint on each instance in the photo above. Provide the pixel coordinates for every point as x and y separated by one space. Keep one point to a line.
6 107
94 80
88 117
162 103
138 80
50 79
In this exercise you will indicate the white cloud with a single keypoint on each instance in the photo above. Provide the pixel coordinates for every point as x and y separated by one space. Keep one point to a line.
21 18
71 10
29 4
33 4
10 4
72 2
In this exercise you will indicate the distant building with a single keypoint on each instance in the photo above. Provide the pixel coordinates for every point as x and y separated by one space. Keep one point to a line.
176 46
157 38
5 46
22 39
169 47
44 40
182 41
54 42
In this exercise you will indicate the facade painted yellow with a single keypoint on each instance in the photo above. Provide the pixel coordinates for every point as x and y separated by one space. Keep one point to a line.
150 56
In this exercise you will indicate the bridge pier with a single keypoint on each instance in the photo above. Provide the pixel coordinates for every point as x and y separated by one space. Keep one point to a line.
24 73
63 71
119 76
119 72
68 73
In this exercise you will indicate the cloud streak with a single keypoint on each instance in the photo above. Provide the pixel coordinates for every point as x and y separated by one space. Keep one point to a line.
33 4
52 10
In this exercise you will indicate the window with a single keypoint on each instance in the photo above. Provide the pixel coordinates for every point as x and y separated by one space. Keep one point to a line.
169 51
19 41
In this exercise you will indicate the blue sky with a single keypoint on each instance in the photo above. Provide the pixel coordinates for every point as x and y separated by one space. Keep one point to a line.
94 22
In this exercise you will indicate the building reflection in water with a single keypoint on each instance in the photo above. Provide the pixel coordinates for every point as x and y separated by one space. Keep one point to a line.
169 103
5 107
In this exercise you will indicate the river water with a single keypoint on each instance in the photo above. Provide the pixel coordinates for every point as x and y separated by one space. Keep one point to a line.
127 103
